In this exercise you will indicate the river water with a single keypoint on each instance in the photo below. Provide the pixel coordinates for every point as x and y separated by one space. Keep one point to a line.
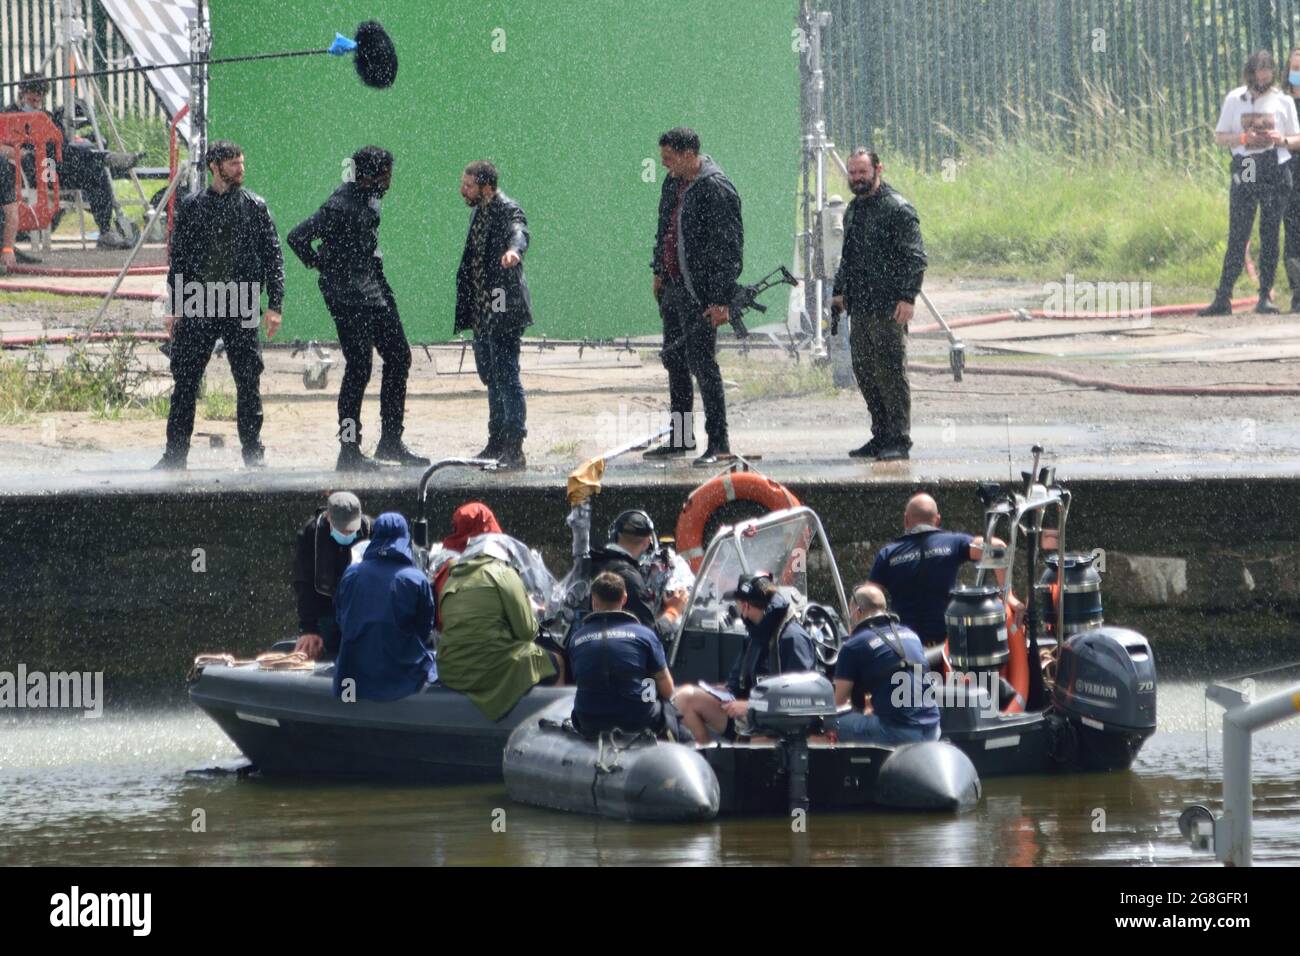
115 790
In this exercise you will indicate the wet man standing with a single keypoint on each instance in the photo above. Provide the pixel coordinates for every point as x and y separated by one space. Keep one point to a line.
362 304
698 255
879 278
225 252
492 299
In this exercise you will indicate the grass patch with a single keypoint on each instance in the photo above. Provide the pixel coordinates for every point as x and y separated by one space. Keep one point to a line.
1027 206
565 449
218 404
46 298
759 380
104 383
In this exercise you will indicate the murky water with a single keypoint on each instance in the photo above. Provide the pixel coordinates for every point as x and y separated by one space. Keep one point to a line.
115 790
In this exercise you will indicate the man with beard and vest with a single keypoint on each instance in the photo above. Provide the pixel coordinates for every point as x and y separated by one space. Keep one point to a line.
361 301
619 668
879 278
322 554
775 643
698 256
631 536
882 661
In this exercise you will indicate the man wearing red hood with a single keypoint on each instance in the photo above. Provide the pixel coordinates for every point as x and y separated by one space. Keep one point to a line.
469 520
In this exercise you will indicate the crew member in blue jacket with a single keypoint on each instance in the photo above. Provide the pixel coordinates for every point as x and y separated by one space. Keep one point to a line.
619 668
884 661
385 613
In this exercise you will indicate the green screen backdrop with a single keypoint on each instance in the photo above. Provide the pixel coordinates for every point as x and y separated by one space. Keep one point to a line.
567 97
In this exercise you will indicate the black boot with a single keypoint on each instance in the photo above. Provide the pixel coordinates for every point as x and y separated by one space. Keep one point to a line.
394 450
494 446
1220 306
171 461
351 459
713 453
255 457
511 457
1265 307
868 450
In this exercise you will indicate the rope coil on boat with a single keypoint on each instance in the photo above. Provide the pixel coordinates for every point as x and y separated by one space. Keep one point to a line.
270 661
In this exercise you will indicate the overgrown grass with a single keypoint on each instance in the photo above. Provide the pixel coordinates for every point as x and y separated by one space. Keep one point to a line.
1026 206
218 404
761 379
104 383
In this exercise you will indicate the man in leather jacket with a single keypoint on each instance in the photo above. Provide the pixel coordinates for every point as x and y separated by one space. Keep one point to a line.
879 278
225 253
492 299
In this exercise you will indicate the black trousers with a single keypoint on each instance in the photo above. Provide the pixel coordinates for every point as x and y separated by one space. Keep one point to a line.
1258 183
1291 246
878 350
81 169
363 330
690 348
193 338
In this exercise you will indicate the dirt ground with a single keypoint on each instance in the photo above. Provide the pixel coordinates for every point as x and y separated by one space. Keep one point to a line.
783 410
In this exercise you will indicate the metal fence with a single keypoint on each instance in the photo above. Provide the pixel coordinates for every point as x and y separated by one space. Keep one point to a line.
29 36
925 77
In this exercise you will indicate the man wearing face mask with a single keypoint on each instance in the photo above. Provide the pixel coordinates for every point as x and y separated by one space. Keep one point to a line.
880 274
359 298
322 554
1258 123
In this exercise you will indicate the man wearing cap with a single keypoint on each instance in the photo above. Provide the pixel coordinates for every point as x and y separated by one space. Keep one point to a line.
775 643
884 662
323 553
619 668
630 536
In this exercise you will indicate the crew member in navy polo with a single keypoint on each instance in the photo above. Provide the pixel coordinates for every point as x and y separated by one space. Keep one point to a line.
884 662
619 668
920 568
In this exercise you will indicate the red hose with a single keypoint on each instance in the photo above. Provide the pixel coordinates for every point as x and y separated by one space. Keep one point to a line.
1109 386
1187 309
82 293
95 337
85 273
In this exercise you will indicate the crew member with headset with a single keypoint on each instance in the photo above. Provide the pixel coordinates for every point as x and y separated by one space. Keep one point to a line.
631 538
1258 123
323 553
775 643
619 668
882 660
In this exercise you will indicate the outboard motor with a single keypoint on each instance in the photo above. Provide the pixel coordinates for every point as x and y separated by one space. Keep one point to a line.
791 708
1106 690
1082 592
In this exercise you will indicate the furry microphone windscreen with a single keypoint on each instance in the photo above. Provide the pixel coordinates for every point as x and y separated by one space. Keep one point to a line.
375 58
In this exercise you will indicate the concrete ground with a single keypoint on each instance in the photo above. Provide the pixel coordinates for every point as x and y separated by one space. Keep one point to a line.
787 412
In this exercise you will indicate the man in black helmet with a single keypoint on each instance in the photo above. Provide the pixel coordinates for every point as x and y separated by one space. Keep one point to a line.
360 300
631 538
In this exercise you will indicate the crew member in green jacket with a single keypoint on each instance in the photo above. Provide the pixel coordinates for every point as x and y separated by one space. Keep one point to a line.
487 649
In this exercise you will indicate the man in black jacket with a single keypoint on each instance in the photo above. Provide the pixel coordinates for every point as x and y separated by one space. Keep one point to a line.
225 252
362 304
631 536
492 299
698 255
322 553
879 278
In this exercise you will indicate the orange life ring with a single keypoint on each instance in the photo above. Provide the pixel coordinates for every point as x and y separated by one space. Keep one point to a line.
712 495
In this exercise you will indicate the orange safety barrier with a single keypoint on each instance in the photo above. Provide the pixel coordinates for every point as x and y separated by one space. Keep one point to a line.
34 130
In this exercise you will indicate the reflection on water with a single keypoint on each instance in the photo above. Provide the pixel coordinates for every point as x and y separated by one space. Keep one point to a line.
114 790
